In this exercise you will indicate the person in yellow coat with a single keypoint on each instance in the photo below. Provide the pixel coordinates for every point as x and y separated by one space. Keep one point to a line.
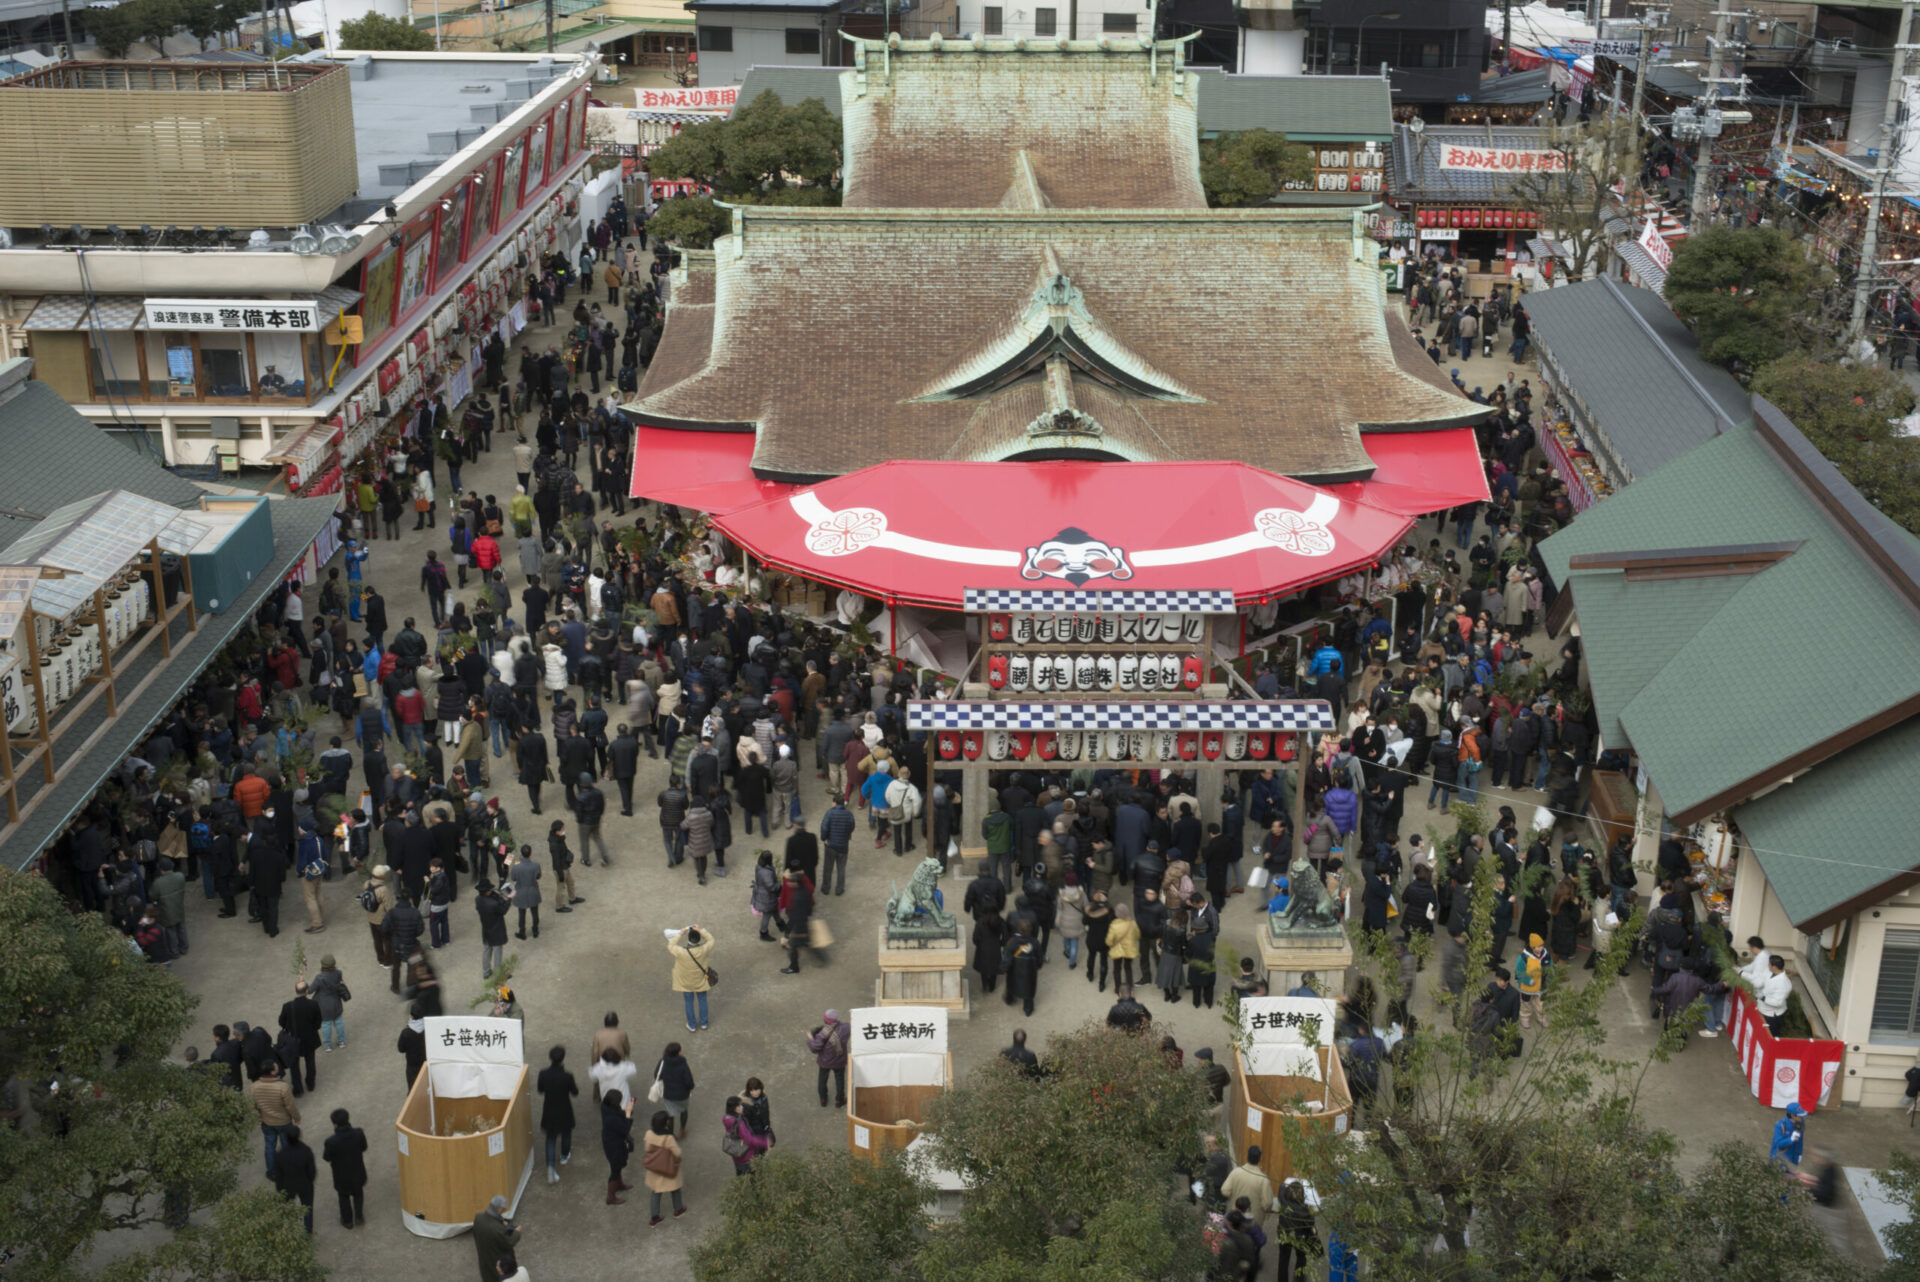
660 1137
1123 942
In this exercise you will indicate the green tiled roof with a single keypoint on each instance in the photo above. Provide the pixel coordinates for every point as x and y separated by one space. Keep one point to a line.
1631 630
1795 654
55 456
1312 108
1843 830
1319 108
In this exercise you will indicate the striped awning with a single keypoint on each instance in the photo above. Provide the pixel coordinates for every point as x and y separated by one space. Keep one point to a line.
118 313
58 311
1644 265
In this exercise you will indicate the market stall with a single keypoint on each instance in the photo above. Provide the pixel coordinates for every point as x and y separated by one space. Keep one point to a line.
465 1133
897 1064
1781 1070
1286 1070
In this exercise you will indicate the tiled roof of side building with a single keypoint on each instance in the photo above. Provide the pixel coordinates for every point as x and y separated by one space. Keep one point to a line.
1841 834
1264 334
1692 711
948 131
1637 369
1417 172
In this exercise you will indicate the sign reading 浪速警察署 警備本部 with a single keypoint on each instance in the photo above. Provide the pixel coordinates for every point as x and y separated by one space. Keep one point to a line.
252 315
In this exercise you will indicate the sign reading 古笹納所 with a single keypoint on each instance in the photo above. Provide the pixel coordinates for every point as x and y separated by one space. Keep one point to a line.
264 316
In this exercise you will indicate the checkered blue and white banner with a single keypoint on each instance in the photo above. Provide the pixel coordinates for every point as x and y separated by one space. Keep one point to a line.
1022 600
1285 715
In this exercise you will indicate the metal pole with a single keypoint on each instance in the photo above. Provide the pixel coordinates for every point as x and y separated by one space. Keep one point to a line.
1864 271
1506 32
1640 70
1703 158
436 25
66 16
549 26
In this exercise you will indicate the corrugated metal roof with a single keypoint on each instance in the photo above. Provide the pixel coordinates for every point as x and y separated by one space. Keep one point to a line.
1636 368
296 523
1843 830
1415 161
1749 688
55 456
1519 88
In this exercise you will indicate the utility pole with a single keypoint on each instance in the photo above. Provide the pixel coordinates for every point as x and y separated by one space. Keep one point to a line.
549 26
1866 269
1703 159
66 16
1647 28
1506 32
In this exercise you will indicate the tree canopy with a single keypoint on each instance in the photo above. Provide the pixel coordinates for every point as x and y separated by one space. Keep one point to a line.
376 31
1073 1174
1850 413
1751 295
1489 1155
1249 168
691 222
112 1126
766 153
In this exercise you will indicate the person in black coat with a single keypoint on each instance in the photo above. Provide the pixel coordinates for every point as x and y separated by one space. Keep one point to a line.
1023 971
226 1052
267 869
530 754
256 1049
616 1141
346 1153
1422 903
557 1090
294 1171
413 1042
301 1017
1374 901
803 853
985 894
989 943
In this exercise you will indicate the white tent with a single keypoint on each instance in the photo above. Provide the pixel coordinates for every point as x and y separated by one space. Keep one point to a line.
1539 26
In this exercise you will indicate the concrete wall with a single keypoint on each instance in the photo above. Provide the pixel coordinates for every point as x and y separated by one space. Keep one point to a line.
1019 18
1272 53
760 40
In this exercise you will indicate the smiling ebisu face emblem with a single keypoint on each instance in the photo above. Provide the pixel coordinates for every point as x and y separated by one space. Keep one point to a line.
1076 556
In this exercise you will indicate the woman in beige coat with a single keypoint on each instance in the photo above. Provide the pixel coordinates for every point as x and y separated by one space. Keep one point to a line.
660 1136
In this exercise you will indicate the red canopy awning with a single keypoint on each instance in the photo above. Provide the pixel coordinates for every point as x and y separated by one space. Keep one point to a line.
705 471
927 531
1420 472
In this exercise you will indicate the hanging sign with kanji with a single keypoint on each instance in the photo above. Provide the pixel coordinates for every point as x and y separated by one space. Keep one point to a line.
251 315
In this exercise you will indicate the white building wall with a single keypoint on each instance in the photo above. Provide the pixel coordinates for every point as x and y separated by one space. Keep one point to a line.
1272 53
1025 20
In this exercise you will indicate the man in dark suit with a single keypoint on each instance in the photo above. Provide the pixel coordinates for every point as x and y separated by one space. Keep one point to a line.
266 862
346 1152
226 1053
301 1017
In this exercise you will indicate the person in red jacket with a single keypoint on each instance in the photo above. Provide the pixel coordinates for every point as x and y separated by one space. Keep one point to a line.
486 552
410 711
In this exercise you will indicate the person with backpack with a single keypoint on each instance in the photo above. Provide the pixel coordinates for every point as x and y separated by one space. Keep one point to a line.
310 860
433 581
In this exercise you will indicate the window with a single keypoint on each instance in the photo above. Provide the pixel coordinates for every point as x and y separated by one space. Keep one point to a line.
1895 996
1127 22
716 39
803 40
994 23
1043 22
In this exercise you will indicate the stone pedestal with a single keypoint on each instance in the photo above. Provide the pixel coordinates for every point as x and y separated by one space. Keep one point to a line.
923 972
1291 956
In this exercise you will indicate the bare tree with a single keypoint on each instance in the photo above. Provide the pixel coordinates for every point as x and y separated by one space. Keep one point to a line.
1596 178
